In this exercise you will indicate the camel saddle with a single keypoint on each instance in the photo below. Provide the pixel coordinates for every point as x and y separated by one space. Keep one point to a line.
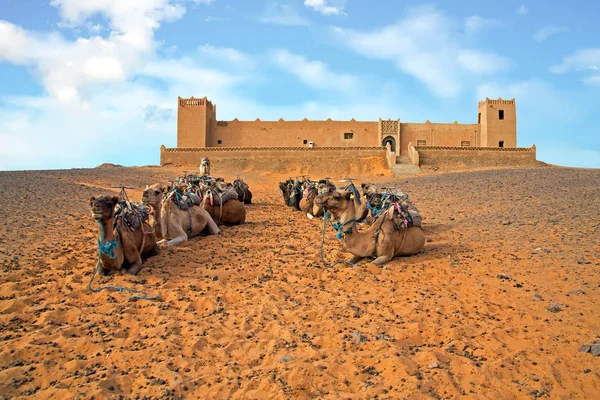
186 200
404 214
133 214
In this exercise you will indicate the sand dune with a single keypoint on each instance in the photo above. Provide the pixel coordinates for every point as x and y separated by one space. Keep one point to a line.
252 313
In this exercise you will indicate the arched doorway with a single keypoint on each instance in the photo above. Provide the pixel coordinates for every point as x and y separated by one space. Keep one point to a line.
391 140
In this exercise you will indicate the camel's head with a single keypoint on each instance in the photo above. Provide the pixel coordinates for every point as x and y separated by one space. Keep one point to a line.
324 186
334 201
153 195
368 189
103 207
375 200
284 187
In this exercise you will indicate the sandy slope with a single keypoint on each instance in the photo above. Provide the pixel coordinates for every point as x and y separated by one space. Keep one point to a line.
252 314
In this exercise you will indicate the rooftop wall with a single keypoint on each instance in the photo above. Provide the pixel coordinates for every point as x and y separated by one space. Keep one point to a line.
283 159
293 133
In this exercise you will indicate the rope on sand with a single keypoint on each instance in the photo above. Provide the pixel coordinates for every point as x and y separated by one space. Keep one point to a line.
109 250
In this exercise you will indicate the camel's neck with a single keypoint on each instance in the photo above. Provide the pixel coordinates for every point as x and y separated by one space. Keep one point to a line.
108 246
347 212
155 214
357 243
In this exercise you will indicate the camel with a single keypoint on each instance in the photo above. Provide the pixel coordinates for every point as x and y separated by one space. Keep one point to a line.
368 189
243 191
381 240
135 237
230 211
220 200
307 203
292 193
176 223
205 167
285 190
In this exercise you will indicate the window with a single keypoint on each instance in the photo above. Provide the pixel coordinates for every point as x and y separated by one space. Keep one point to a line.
479 118
501 114
304 141
421 142
219 142
501 143
465 143
348 135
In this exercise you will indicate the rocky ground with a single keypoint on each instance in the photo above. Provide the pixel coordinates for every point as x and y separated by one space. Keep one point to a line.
498 305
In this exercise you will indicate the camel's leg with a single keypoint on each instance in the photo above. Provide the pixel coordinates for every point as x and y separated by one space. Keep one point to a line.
135 266
179 233
102 271
355 259
381 260
161 241
177 240
310 216
213 228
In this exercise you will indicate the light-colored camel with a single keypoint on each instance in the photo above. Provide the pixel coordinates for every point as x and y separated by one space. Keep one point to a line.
127 247
174 224
205 167
380 240
307 203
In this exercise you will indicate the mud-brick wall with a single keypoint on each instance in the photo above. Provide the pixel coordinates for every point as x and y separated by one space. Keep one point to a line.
263 156
477 157
436 134
293 133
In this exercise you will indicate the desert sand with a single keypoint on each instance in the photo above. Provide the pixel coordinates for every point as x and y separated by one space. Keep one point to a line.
497 305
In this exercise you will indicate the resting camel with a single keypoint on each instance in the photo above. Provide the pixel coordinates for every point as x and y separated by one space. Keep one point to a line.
174 224
129 245
227 210
307 203
380 240
292 193
243 191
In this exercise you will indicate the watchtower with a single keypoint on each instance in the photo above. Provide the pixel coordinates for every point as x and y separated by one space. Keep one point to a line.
195 120
498 123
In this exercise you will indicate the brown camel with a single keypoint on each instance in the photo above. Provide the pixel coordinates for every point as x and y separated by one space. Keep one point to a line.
230 212
360 203
176 225
380 240
135 238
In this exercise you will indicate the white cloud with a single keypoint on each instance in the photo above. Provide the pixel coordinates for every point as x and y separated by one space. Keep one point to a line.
66 67
226 54
547 31
427 45
581 60
327 7
315 74
482 63
592 80
213 19
475 23
282 14
522 10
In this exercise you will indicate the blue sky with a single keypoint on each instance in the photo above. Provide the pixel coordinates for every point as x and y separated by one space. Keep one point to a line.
84 82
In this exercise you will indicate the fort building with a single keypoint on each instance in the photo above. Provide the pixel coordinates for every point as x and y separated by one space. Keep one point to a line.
199 131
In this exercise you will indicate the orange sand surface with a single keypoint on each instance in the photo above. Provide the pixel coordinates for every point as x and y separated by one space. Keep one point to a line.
252 313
